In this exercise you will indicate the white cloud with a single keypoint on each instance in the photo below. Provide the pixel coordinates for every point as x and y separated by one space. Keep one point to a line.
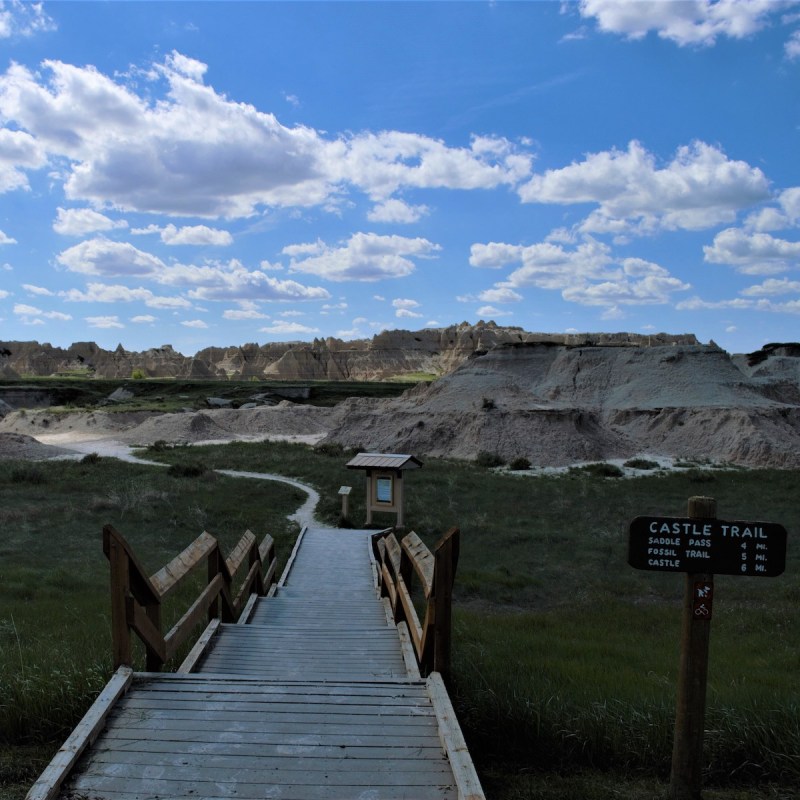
696 22
4 294
18 151
180 148
771 287
190 234
37 290
383 163
491 311
104 322
288 327
740 304
107 293
23 310
546 265
498 295
101 256
394 210
19 18
792 46
752 253
404 303
642 283
82 221
4 239
587 274
407 313
364 257
142 319
246 310
698 189
194 323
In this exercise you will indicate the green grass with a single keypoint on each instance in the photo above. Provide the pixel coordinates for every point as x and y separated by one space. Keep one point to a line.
565 658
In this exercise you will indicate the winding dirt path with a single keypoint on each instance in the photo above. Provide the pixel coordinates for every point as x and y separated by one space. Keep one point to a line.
111 448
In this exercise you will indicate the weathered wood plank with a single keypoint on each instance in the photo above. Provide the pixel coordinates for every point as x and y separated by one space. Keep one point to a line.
422 560
169 577
193 616
240 552
190 662
49 782
469 787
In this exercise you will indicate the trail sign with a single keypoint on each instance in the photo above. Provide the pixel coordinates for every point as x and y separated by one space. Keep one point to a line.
683 544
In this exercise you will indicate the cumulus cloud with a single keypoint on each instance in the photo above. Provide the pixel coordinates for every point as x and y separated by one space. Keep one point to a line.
18 18
642 283
142 319
586 273
181 148
491 311
230 281
500 295
364 257
190 234
5 239
107 293
288 327
18 151
382 163
246 310
752 253
792 46
693 22
37 290
83 221
103 322
772 287
107 258
194 323
698 189
26 311
546 265
394 210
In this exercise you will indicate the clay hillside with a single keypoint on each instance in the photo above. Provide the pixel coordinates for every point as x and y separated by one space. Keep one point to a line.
391 354
552 399
558 404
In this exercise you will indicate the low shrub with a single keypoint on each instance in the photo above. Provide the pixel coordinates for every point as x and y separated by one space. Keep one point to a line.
520 463
489 460
600 469
27 473
90 458
641 463
188 470
331 449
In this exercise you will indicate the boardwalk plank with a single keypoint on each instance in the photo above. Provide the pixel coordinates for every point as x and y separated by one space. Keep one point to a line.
312 699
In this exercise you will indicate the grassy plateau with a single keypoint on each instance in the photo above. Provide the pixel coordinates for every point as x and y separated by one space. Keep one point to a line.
565 658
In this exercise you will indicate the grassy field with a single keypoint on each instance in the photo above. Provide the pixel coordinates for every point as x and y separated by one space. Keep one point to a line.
565 658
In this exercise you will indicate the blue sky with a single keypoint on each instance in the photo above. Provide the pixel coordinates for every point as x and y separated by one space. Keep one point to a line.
215 173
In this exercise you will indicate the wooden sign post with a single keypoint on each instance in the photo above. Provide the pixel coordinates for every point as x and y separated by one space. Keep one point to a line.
687 745
700 545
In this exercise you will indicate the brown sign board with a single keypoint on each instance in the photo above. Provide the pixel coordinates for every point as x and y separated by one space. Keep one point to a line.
717 546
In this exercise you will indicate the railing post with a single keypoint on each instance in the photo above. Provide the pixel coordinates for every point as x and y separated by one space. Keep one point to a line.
213 570
120 592
445 560
153 661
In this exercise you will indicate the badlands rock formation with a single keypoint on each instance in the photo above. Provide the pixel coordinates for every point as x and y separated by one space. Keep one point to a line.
557 405
391 354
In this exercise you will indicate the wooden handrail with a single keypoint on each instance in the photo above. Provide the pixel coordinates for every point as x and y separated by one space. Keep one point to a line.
398 563
136 599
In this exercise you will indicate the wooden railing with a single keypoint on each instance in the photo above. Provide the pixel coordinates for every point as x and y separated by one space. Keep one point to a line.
398 564
136 599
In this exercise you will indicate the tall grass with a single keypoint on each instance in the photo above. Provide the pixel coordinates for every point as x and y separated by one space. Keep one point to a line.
565 658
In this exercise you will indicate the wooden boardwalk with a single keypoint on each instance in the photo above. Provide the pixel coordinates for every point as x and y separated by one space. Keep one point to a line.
313 694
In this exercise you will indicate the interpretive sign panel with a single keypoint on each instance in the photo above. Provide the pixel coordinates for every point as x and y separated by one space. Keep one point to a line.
670 544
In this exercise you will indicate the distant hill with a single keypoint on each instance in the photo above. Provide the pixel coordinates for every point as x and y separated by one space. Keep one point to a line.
388 355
